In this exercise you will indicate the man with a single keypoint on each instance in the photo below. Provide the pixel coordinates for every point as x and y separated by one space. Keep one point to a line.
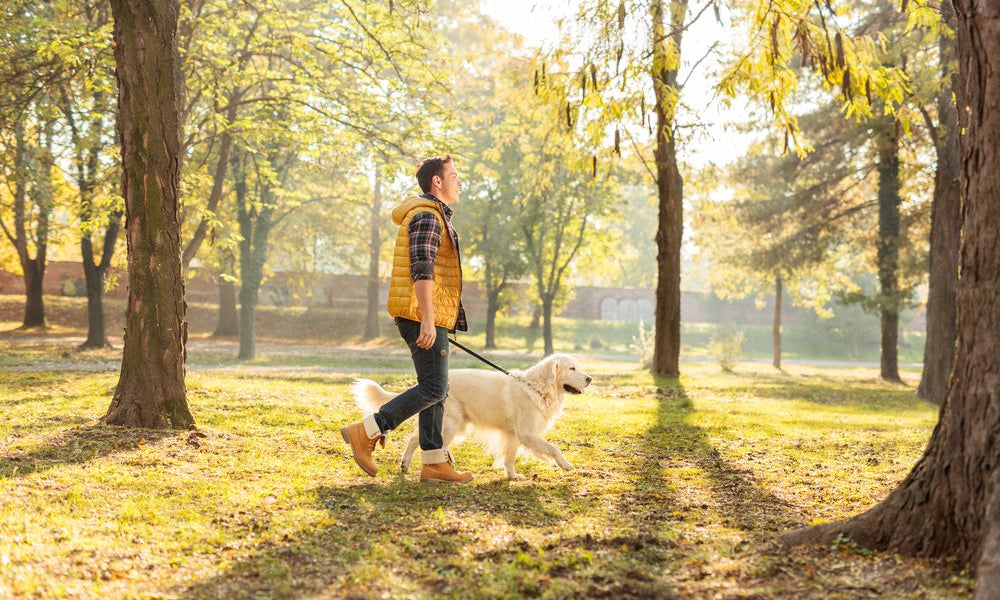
425 298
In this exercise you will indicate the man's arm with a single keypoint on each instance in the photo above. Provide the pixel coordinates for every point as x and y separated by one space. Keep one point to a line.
425 237
428 332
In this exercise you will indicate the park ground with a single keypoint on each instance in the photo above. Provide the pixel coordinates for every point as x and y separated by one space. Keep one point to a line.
679 490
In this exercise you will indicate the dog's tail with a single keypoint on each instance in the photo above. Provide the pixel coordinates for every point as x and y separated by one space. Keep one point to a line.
369 396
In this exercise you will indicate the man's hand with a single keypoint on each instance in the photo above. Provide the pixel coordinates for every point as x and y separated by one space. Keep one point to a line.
425 289
428 334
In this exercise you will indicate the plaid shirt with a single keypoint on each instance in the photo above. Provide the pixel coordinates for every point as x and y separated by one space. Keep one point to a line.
425 238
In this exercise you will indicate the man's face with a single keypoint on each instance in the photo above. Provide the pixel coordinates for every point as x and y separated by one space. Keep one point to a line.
448 186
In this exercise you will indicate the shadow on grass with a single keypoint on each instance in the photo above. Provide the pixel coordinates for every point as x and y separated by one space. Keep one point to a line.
382 531
78 445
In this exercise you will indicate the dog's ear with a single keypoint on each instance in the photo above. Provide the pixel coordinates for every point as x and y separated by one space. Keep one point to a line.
555 369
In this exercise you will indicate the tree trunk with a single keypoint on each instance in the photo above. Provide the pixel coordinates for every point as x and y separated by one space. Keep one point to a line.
34 304
547 325
666 57
492 306
374 249
229 322
255 228
94 283
151 390
888 246
946 226
776 326
949 505
33 268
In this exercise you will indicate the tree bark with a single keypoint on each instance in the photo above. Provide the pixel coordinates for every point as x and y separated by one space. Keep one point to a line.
946 226
949 505
666 347
374 249
887 246
151 390
776 326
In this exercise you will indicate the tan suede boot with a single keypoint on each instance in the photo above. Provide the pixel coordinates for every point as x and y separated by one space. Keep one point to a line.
443 472
362 446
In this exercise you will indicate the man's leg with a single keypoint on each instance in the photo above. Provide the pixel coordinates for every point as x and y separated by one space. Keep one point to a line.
430 390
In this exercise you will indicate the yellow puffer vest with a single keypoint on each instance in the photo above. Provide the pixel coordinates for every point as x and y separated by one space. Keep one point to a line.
447 268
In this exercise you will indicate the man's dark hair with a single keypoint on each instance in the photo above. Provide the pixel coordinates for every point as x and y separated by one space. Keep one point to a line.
430 167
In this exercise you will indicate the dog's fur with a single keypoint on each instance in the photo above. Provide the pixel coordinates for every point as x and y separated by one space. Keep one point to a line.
504 412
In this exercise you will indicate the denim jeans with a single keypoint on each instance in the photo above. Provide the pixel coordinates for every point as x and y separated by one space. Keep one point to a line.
427 397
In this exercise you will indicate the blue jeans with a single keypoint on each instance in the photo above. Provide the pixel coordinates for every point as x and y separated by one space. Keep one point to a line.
427 397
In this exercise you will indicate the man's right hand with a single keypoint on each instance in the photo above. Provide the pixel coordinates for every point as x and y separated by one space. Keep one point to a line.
428 334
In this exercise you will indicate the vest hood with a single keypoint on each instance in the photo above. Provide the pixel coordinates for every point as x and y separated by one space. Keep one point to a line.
409 204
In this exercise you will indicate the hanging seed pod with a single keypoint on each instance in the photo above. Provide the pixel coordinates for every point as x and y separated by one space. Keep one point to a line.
642 107
846 85
902 8
618 143
536 82
593 167
618 58
786 140
583 87
621 15
649 126
390 7
838 40
774 42
543 72
593 76
771 97
569 117
868 90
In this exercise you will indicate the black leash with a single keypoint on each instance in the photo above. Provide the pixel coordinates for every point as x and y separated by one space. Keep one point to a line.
495 366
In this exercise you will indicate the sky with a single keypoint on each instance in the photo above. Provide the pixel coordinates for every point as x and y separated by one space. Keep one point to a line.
714 143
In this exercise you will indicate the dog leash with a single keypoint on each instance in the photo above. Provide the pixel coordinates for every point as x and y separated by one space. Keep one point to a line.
487 361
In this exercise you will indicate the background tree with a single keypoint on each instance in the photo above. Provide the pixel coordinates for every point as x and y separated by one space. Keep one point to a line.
151 390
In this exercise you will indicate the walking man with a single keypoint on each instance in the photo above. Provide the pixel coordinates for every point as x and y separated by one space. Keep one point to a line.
425 297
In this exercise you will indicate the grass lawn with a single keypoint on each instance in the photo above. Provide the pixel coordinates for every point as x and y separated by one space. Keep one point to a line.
678 490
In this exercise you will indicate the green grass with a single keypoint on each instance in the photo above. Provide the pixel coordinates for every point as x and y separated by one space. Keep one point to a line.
679 488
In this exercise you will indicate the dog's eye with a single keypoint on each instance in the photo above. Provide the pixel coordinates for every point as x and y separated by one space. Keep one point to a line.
572 368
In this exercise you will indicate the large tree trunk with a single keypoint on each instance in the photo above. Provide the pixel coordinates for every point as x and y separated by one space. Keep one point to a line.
374 249
667 343
151 390
949 505
776 326
888 246
946 226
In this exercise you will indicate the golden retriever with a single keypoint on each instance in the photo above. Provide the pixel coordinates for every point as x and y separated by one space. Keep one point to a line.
506 412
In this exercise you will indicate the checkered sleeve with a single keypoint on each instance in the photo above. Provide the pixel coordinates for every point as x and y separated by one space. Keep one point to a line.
425 237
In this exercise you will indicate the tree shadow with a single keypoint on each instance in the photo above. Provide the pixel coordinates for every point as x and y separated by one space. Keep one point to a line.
78 445
421 524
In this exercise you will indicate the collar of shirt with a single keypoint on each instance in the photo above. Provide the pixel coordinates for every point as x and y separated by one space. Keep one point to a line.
444 207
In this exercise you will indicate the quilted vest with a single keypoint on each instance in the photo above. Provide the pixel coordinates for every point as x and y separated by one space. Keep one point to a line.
447 268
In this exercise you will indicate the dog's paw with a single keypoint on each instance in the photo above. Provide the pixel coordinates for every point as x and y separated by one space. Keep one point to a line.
567 467
515 476
404 467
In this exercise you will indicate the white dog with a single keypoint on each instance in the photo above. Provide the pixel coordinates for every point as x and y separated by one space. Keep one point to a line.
506 412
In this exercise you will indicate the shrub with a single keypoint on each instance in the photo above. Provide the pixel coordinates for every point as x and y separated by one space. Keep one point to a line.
727 346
